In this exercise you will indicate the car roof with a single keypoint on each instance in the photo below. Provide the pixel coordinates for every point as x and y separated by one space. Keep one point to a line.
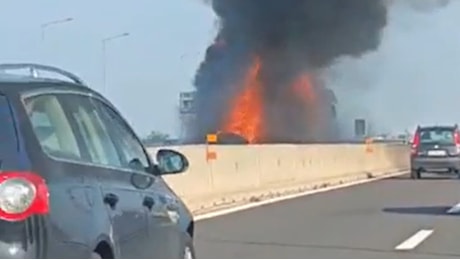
22 85
25 86
14 83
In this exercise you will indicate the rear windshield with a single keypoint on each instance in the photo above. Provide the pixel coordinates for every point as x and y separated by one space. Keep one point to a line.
8 138
437 135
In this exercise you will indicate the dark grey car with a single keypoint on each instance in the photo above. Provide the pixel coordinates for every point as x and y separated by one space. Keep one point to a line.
76 182
435 149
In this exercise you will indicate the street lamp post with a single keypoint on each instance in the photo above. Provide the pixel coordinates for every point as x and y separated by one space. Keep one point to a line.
51 23
105 41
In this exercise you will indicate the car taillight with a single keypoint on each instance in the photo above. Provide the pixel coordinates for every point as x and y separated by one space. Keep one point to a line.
22 194
457 144
415 143
457 138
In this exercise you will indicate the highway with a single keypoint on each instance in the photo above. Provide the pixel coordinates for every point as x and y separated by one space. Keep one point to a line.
391 218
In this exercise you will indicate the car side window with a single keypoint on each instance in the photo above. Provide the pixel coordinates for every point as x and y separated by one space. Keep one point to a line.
52 127
134 156
95 135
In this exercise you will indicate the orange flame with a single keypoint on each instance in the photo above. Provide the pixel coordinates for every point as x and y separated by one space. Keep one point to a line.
246 114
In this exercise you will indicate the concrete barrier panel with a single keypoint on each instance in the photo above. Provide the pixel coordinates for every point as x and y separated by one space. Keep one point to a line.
242 171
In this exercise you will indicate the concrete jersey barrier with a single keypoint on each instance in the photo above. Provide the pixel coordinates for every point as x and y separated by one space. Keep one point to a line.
243 172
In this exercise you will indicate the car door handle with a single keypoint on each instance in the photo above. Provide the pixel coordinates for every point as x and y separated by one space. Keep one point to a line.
148 202
111 199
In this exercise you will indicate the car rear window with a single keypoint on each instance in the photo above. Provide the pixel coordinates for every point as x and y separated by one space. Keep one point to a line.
8 138
437 135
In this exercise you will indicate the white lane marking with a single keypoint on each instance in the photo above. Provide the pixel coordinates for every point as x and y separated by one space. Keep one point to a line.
454 209
291 196
415 240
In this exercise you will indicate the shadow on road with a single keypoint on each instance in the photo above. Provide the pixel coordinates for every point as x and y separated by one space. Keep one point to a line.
430 210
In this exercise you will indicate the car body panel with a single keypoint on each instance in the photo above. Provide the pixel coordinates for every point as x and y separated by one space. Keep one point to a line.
436 164
79 220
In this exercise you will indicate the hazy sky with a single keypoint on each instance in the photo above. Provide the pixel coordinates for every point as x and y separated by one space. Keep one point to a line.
145 72
414 76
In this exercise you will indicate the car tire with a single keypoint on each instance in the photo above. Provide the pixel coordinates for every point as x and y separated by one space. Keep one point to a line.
415 174
189 249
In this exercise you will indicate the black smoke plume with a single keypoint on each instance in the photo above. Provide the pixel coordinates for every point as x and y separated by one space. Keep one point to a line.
291 37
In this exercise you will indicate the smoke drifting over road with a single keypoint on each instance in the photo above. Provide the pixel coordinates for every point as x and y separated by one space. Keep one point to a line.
290 40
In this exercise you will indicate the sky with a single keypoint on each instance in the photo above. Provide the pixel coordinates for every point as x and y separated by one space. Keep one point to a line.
145 71
413 77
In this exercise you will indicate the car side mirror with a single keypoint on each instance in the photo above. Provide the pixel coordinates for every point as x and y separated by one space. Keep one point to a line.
171 162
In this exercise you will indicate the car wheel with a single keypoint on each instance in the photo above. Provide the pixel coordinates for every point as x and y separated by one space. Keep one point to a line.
189 250
95 255
415 174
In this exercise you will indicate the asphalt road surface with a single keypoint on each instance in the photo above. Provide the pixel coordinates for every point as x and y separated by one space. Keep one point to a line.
391 218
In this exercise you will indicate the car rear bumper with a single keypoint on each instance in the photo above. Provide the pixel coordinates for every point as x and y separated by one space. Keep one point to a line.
14 240
427 163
